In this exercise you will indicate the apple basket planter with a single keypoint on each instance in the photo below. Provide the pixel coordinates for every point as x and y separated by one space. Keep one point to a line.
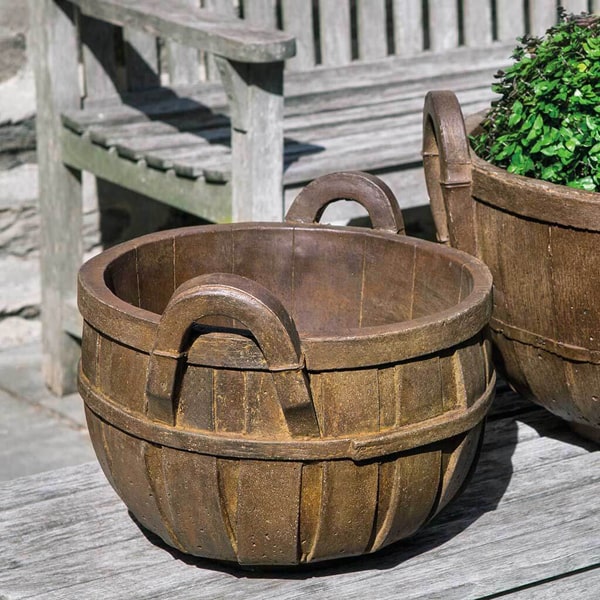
275 394
541 242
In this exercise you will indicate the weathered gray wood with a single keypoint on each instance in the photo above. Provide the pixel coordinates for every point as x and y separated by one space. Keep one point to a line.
141 60
575 6
99 58
408 27
261 13
72 321
372 29
54 51
334 31
297 18
222 7
527 519
183 60
315 90
477 22
193 196
542 15
510 20
580 585
443 25
202 29
256 96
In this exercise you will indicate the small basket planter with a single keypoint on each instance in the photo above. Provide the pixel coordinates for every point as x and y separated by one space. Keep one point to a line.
542 244
274 394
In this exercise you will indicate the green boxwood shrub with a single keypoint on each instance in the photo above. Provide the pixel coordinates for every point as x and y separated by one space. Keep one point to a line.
546 124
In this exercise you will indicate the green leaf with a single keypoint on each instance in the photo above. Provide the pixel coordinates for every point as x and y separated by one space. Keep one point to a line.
584 183
546 120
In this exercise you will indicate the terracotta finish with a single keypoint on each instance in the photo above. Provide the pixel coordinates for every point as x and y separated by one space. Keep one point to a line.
276 394
542 244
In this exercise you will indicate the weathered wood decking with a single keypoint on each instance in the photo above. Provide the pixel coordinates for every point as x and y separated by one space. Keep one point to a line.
527 526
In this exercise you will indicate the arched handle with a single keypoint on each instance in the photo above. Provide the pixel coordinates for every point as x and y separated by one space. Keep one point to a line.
257 309
447 163
369 191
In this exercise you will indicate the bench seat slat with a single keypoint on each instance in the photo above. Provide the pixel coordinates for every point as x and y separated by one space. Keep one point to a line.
310 111
320 149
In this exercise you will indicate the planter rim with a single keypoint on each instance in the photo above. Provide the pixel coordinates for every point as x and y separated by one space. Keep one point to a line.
529 197
136 327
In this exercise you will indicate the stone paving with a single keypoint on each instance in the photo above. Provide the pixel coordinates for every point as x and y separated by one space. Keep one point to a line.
38 431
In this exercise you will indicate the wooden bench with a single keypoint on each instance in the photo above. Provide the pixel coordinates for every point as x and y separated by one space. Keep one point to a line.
525 528
193 107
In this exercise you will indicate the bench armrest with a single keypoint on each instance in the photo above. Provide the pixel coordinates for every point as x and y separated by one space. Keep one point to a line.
225 36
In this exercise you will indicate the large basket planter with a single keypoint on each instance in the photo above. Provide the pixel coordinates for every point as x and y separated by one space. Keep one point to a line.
541 242
275 394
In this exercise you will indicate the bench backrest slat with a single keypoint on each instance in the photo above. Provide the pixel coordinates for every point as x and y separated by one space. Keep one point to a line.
183 65
222 7
99 57
141 60
335 32
297 18
443 25
261 12
542 14
372 29
510 20
408 38
328 33
575 6
477 23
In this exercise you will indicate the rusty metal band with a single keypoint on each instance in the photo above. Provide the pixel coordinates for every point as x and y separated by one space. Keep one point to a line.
561 349
365 447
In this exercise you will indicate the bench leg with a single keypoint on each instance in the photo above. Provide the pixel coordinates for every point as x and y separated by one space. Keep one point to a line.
60 258
55 61
255 93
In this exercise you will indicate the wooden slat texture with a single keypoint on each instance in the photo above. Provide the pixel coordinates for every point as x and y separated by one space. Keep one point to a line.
54 53
141 60
580 585
510 21
334 31
349 495
527 523
297 16
575 297
201 498
99 58
372 29
575 6
222 7
477 22
411 490
542 15
256 93
261 12
197 28
443 25
409 34
183 60
279 520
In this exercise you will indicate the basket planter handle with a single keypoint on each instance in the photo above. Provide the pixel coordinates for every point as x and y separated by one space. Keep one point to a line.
369 191
447 163
257 309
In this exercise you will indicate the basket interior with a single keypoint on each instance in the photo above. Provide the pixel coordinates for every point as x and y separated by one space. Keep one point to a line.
328 280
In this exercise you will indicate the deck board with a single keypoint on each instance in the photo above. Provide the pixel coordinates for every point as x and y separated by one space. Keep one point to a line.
529 516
